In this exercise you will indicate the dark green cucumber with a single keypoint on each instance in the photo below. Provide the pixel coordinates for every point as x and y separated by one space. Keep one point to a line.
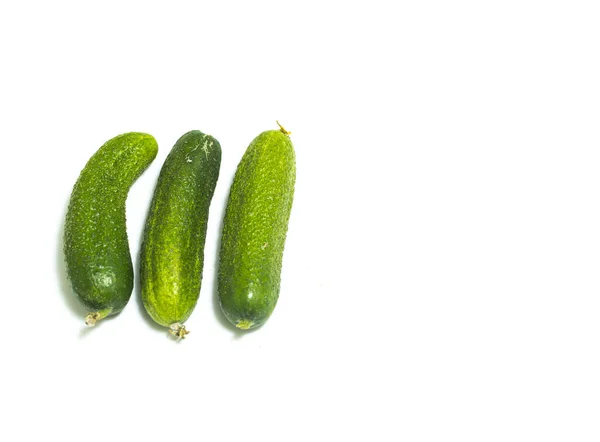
95 241
172 253
255 228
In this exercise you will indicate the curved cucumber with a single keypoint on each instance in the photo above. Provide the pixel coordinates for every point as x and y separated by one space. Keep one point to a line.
95 240
254 230
172 253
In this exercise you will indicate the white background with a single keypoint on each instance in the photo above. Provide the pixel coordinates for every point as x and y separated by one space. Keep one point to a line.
441 274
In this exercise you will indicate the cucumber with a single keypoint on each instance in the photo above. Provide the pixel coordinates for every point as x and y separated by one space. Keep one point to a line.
255 228
172 254
96 248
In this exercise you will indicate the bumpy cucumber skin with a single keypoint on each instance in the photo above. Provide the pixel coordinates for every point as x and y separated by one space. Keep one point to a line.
254 230
96 247
172 255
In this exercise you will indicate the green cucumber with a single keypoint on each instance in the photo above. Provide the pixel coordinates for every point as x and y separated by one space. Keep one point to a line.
172 255
96 248
255 228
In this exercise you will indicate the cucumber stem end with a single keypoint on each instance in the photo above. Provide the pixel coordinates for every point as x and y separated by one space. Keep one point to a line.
178 330
283 129
244 324
93 317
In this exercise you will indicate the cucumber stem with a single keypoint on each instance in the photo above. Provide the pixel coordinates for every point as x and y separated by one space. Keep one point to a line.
93 317
178 330
283 129
244 324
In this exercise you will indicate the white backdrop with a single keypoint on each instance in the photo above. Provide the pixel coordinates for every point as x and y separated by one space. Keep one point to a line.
441 273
